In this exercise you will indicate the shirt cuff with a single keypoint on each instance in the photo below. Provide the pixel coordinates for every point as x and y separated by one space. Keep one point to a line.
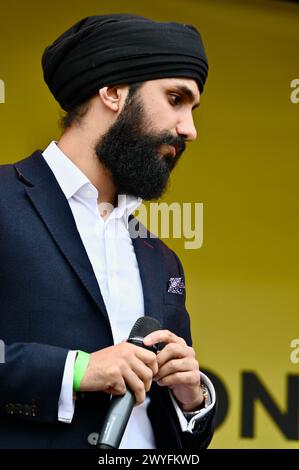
188 425
66 402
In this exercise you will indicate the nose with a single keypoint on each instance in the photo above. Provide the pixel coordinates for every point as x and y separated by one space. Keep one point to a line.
186 127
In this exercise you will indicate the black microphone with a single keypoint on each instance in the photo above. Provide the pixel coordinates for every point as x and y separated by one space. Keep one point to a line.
121 407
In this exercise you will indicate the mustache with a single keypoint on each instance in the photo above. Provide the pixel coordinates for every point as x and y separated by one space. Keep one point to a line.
177 142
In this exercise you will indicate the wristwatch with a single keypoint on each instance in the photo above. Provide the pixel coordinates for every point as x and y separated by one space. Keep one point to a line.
206 401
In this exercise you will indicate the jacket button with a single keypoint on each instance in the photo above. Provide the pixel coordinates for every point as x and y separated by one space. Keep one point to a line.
32 410
18 409
9 408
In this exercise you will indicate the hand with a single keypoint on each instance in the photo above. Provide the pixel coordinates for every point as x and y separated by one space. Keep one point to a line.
111 369
178 369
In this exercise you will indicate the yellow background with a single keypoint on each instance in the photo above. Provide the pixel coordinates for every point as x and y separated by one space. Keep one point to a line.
242 285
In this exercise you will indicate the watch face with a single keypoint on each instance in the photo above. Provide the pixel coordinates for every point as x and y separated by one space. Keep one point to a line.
206 395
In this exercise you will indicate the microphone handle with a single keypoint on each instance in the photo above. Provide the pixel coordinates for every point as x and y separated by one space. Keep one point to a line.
119 411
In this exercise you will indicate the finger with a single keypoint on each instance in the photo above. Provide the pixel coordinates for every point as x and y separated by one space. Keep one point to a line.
147 357
189 378
162 336
174 351
144 373
135 385
118 388
177 365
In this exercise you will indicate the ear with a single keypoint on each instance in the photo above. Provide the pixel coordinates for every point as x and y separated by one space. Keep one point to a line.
114 96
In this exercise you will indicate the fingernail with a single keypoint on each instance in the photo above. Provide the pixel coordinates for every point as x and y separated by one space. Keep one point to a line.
147 339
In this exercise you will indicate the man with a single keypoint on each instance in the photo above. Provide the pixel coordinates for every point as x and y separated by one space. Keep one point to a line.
73 278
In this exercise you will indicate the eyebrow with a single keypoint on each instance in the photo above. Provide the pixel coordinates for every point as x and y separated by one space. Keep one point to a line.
188 93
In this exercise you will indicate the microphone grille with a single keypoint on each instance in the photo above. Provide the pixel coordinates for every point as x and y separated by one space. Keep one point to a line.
144 326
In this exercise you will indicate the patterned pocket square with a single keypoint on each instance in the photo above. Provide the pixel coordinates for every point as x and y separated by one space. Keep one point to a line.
176 285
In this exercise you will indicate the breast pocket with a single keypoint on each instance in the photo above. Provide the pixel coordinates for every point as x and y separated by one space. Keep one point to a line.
174 299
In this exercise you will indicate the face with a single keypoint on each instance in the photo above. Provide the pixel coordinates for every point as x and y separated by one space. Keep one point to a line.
148 137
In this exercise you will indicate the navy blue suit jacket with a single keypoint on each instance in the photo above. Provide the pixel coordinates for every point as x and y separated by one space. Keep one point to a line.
51 303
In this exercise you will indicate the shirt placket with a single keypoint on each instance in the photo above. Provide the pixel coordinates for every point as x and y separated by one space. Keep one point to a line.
112 269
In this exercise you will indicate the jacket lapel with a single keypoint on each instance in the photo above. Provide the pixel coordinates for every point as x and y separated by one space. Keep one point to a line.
49 201
150 263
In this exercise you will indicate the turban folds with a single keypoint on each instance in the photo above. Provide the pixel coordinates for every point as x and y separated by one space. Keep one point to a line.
116 49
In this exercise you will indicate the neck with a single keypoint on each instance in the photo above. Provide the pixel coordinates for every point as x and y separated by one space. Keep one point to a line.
76 145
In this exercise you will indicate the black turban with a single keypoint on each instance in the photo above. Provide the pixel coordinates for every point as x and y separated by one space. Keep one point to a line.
120 49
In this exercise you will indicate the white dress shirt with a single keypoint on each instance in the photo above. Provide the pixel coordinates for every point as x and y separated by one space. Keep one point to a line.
110 250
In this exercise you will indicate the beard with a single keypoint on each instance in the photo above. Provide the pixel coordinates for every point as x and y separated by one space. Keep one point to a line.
130 151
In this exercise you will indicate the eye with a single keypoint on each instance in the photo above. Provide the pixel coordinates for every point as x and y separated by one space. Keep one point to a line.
175 99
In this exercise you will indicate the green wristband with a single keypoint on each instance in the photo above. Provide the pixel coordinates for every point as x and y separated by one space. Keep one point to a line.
80 367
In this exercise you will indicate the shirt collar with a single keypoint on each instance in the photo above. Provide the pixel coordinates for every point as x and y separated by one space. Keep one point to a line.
68 175
73 181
